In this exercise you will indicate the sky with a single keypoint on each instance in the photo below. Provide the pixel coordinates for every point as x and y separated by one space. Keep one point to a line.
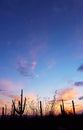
41 49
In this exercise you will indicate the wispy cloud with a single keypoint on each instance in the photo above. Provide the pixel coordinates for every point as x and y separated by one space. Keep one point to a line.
2 102
80 98
26 68
68 94
33 64
8 85
80 83
11 96
80 68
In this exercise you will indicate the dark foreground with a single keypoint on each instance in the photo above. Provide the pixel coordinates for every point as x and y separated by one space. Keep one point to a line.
67 122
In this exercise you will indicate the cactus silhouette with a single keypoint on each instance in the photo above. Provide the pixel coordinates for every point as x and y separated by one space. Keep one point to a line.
3 112
12 109
40 108
73 107
21 106
62 108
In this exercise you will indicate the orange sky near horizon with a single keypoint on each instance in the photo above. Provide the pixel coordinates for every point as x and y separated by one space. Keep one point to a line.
67 95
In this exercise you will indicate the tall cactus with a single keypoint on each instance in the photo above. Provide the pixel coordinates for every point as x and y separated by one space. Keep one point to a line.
12 109
3 112
62 108
73 106
21 106
40 108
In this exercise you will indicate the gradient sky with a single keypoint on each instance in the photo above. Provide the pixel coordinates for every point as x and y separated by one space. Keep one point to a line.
41 48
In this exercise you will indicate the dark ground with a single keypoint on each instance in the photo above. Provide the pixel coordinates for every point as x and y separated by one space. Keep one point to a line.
67 122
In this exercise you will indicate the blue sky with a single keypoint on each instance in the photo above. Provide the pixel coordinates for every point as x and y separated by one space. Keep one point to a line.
41 45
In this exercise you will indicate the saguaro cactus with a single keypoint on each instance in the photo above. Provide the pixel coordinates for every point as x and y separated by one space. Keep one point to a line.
40 108
62 108
73 106
12 109
21 106
3 111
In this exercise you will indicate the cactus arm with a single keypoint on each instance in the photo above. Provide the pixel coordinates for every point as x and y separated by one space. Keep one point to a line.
15 107
24 104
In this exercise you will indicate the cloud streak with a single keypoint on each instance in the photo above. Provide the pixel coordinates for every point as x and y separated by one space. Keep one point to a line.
2 102
80 98
8 85
68 94
80 68
80 83
11 96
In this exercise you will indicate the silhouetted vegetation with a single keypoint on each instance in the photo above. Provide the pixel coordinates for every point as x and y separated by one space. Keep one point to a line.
50 122
63 121
73 107
62 108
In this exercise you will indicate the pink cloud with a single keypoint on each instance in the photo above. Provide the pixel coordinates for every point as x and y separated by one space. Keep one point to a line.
68 94
9 85
33 64
11 96
2 102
